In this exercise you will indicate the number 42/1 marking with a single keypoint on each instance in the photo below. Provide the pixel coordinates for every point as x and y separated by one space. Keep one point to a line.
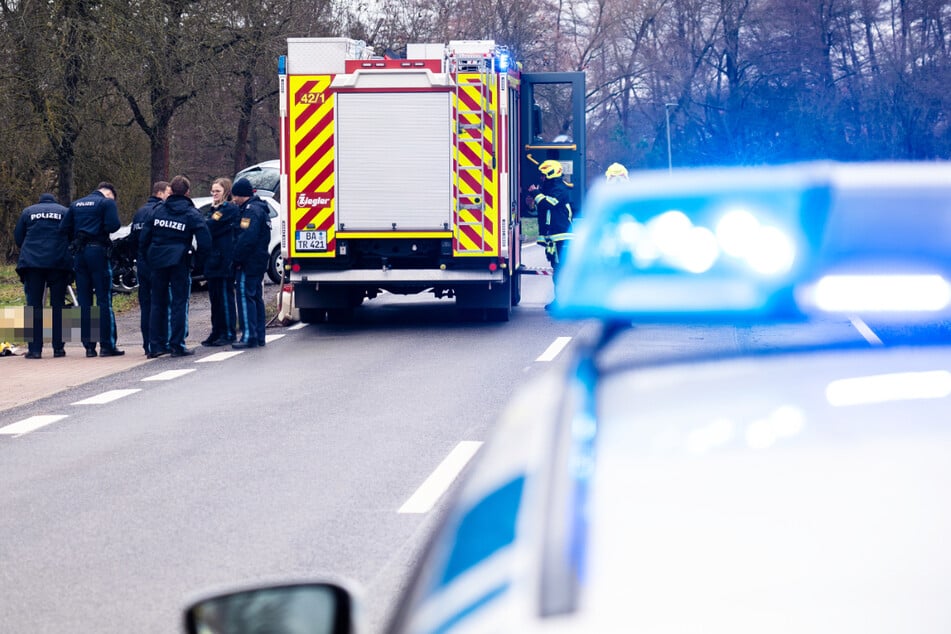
313 97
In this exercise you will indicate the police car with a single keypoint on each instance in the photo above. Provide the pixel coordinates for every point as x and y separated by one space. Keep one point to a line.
798 488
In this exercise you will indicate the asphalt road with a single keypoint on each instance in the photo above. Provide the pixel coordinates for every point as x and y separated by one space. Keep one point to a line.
172 476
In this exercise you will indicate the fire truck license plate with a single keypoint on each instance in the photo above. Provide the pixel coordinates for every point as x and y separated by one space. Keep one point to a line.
311 240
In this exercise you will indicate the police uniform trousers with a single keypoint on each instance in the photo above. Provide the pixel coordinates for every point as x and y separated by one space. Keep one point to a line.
94 278
35 281
223 308
144 276
249 290
168 324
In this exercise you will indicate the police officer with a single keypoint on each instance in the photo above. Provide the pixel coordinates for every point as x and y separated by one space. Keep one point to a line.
44 261
221 216
160 191
166 240
88 223
250 262
552 201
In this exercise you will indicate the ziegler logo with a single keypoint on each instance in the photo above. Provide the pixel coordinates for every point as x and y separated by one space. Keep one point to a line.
314 201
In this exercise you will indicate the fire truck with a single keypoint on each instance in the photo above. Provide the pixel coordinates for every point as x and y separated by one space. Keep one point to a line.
410 175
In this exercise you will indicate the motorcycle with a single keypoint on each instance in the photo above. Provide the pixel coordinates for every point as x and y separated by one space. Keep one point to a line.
122 260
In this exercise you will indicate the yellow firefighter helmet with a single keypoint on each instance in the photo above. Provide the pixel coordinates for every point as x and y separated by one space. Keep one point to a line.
551 169
616 172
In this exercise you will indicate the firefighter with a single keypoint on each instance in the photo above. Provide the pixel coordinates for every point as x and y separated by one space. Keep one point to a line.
87 224
553 205
44 261
166 241
250 262
616 173
160 191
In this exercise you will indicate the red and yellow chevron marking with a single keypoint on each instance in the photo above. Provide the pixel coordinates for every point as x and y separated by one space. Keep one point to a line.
310 117
472 185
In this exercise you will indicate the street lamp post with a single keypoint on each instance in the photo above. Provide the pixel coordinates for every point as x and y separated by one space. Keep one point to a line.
670 158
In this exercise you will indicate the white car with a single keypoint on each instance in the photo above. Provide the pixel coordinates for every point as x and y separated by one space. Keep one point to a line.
797 486
276 260
265 178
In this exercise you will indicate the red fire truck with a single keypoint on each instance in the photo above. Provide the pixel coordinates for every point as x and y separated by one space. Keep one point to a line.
409 175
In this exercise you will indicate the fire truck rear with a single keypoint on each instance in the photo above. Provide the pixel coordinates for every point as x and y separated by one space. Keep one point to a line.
400 175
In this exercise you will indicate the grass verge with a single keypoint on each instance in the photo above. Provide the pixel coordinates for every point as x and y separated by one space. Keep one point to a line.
529 229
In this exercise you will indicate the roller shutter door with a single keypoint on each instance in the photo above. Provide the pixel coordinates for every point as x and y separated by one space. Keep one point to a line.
394 161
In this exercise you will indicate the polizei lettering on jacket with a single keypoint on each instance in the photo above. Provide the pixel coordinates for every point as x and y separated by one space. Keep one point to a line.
169 224
46 215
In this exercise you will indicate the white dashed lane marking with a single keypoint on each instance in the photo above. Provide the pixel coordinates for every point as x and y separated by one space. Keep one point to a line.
32 423
298 325
554 349
168 375
221 356
106 397
426 496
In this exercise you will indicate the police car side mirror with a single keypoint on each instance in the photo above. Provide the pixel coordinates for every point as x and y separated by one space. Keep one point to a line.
299 608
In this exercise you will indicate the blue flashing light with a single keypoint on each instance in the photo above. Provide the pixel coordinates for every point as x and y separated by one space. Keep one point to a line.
282 65
502 62
704 243
763 243
881 293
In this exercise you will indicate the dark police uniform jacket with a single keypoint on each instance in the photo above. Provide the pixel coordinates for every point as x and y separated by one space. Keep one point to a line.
254 236
93 216
167 238
42 245
221 221
139 220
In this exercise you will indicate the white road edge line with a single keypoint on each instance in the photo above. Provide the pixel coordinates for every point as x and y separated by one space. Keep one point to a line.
219 356
32 423
106 397
865 331
168 375
426 496
554 349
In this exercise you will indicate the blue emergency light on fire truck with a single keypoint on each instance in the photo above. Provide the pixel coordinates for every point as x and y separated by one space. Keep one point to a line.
409 175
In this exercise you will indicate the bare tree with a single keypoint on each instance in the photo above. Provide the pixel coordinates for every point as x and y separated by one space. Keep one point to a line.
51 52
173 42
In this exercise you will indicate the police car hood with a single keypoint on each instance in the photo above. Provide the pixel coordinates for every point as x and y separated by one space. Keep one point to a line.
798 493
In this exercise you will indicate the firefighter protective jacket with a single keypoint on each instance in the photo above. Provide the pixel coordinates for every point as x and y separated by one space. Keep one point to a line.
554 210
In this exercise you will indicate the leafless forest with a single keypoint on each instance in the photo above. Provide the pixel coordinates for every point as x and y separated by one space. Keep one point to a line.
135 91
